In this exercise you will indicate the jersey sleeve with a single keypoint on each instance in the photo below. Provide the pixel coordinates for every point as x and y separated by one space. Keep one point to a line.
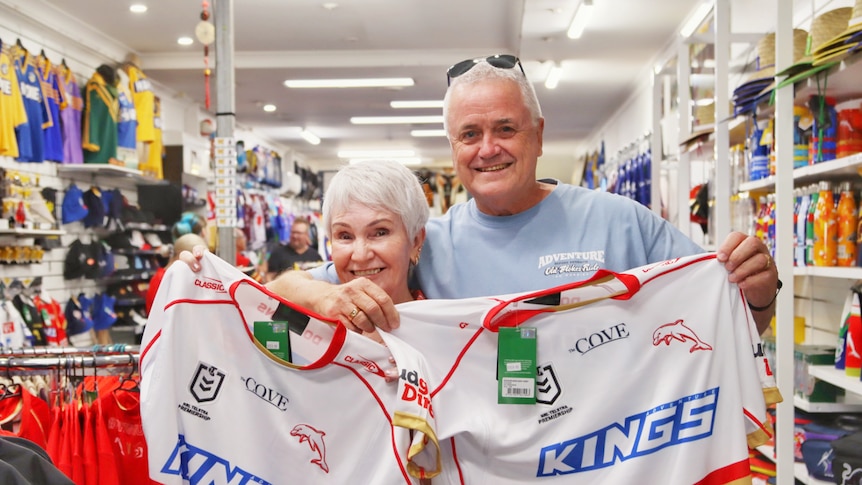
758 370
413 410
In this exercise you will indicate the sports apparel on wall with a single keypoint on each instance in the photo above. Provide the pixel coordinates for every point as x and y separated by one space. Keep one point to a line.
12 114
101 110
218 407
657 372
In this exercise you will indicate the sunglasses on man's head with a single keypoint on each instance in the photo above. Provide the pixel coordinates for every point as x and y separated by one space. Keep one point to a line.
500 61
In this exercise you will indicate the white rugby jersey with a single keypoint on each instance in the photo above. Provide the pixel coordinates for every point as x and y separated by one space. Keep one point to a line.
217 407
655 375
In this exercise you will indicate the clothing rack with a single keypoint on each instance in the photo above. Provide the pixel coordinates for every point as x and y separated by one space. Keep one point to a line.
73 361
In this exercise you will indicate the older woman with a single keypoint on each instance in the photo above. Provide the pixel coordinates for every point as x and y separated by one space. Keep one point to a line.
374 214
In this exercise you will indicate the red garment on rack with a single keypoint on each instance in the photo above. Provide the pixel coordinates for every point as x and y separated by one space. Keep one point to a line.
121 410
34 413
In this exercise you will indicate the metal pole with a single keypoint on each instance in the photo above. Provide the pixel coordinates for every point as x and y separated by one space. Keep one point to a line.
783 240
225 103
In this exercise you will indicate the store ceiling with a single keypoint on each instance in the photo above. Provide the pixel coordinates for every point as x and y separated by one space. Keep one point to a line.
276 40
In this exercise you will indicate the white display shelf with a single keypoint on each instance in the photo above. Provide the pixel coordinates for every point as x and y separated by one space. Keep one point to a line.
106 170
836 377
841 167
852 273
826 407
31 232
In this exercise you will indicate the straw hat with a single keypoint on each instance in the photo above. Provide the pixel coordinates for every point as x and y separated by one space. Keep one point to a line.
824 28
800 42
854 25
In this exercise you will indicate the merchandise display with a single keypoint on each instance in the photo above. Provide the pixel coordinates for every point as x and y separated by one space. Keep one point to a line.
97 137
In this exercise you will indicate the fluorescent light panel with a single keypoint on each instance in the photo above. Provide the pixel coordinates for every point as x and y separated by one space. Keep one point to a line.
185 41
553 78
427 133
417 104
310 137
269 107
137 8
376 153
349 83
395 120
579 21
696 19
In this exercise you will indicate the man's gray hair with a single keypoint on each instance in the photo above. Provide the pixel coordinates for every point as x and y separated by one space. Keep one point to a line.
483 71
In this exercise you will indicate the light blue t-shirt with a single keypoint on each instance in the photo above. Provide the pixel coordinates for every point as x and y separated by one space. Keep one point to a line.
565 238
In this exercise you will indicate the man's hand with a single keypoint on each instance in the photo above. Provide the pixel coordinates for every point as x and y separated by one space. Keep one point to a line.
750 266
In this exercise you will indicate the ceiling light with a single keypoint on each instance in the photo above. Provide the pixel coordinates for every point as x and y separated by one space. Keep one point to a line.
310 137
349 83
137 8
376 153
553 76
696 19
269 108
417 104
580 19
394 120
401 160
185 41
421 133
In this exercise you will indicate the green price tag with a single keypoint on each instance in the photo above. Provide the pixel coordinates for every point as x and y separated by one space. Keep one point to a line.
516 365
274 338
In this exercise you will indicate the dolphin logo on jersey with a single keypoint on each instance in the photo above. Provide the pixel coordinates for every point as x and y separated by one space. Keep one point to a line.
315 441
678 331
547 386
206 383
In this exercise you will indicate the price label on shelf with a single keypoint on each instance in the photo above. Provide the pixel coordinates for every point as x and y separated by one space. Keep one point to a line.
225 222
225 162
226 182
224 141
225 172
225 212
225 191
225 152
225 202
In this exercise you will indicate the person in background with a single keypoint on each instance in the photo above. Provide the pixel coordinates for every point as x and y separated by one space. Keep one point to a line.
518 233
184 243
189 223
296 252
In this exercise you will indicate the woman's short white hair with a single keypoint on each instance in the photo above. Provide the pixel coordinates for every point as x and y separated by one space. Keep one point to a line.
381 185
483 71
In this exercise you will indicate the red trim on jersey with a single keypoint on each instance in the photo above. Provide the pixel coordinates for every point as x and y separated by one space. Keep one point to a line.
382 406
335 344
457 463
751 417
457 362
675 268
727 474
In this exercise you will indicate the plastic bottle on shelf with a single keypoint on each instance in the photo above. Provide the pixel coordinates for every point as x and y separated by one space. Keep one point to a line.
825 228
770 224
798 194
847 220
809 224
760 220
801 122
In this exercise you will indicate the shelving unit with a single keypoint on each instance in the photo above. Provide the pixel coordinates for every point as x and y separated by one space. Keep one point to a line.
802 292
17 232
106 170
